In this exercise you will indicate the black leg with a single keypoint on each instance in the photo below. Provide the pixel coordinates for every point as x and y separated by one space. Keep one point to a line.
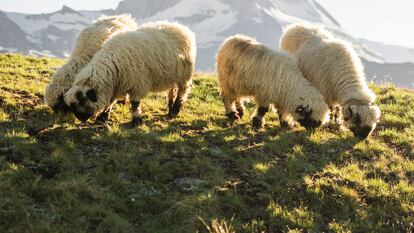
337 113
103 117
136 113
175 108
233 116
284 124
170 105
240 112
258 120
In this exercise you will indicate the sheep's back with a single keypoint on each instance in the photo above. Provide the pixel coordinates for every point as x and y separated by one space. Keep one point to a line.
147 57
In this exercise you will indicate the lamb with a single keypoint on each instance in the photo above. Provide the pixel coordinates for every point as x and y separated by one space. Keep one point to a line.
333 66
89 42
247 68
158 56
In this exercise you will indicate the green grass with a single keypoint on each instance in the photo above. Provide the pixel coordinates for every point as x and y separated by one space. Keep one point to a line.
196 172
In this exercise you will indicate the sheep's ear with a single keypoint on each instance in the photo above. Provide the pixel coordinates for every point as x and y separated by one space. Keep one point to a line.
348 113
300 109
304 111
91 94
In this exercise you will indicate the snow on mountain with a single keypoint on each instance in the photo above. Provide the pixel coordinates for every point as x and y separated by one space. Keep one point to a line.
65 19
214 20
391 53
12 36
54 34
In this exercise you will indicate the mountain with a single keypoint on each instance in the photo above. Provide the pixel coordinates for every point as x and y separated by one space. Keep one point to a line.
12 38
391 53
401 74
52 34
212 20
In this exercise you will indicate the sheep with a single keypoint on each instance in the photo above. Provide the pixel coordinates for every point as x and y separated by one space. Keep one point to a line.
90 41
333 67
246 68
158 56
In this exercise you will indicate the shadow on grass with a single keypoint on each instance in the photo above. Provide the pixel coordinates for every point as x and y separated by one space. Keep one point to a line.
259 178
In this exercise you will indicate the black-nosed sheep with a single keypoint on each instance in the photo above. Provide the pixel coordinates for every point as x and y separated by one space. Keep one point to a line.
333 66
89 42
247 68
156 57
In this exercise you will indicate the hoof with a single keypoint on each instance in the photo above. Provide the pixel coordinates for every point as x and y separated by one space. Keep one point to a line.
100 122
172 115
174 110
232 116
285 125
136 122
258 123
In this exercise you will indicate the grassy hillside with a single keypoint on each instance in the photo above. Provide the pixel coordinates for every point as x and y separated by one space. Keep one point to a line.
195 172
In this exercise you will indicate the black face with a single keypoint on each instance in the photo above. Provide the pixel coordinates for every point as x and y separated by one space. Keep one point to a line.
81 110
306 119
61 106
82 116
309 123
362 132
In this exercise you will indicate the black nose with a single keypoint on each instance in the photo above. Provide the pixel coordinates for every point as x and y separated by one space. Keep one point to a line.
82 116
362 132
310 123
61 106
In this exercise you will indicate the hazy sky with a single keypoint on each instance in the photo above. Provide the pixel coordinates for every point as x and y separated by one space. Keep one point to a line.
47 6
389 21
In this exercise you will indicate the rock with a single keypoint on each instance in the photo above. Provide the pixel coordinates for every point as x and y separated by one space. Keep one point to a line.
187 184
215 151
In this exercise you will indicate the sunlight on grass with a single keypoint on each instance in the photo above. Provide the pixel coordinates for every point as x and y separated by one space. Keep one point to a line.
261 167
60 175
4 116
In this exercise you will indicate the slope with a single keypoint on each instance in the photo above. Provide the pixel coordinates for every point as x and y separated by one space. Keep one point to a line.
57 175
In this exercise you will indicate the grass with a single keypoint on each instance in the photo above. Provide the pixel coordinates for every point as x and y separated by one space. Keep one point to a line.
195 173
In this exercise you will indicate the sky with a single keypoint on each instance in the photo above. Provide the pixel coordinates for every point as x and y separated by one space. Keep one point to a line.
47 6
387 21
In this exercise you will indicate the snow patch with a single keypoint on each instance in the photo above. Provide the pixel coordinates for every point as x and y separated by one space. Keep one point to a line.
220 19
53 38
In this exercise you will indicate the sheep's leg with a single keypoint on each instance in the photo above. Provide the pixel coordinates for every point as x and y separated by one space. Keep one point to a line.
105 115
182 95
240 108
285 121
336 113
229 105
172 96
258 120
136 113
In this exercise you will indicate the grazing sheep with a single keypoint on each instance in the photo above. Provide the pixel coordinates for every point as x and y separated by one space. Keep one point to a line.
335 69
157 57
89 42
247 68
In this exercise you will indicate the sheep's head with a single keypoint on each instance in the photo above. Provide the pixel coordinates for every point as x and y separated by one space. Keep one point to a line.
361 120
310 118
54 97
82 101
